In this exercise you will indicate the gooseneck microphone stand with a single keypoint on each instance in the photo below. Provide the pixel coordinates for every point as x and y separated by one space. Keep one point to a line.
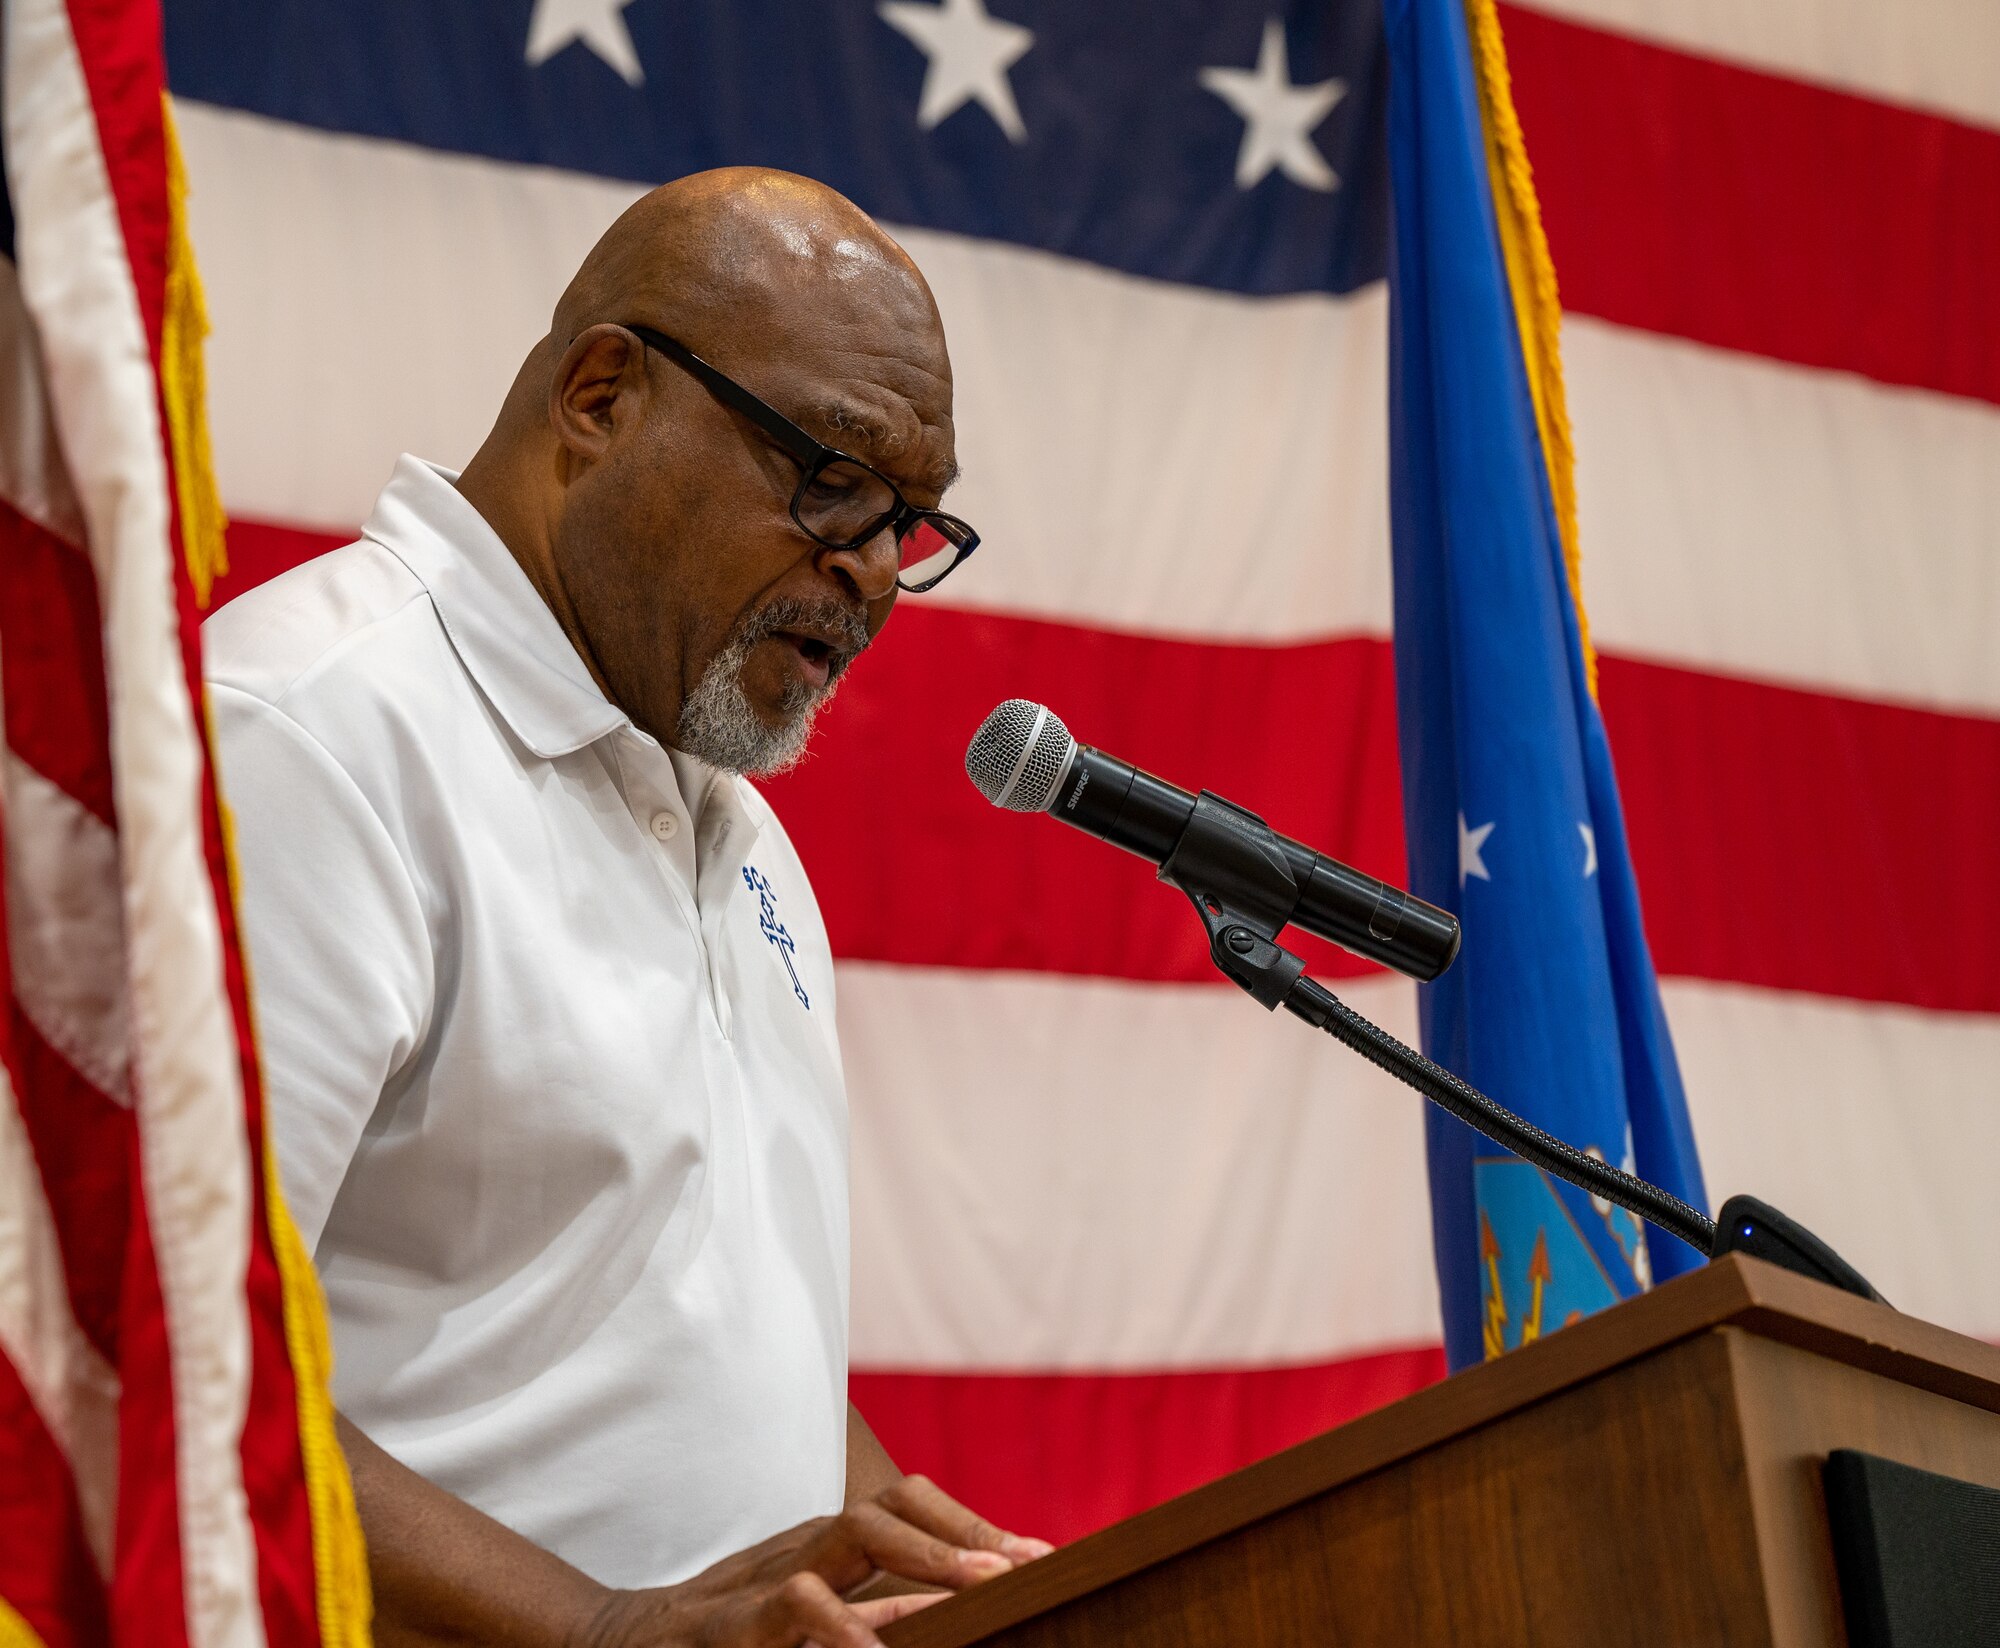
1224 864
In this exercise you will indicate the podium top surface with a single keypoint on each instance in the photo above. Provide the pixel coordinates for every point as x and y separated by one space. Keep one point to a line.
1735 1291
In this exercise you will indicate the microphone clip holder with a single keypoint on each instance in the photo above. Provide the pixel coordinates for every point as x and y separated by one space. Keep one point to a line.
1230 866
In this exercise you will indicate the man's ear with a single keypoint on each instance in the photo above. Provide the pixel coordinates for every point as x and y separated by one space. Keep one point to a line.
600 380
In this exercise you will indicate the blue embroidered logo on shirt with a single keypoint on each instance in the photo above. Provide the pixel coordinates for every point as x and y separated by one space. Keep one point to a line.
774 929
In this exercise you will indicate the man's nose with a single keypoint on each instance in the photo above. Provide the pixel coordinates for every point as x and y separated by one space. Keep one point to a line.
869 567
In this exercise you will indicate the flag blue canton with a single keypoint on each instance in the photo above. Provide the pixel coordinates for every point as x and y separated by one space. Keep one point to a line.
1123 154
1511 807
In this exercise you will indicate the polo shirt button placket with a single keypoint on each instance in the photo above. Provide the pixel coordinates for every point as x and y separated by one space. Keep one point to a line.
665 825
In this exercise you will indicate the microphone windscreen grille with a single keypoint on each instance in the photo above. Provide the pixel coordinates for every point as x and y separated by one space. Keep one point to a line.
1018 756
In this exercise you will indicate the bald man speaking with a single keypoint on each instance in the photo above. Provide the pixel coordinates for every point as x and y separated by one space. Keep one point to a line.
545 1001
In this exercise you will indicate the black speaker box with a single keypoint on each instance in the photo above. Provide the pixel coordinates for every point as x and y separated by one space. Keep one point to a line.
1918 1554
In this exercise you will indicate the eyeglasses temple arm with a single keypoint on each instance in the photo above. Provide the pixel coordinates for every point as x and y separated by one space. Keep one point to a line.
733 395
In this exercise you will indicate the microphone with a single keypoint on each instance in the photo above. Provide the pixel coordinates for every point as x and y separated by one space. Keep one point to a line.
1024 759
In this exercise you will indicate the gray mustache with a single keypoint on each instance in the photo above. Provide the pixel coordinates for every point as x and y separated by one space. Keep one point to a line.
845 628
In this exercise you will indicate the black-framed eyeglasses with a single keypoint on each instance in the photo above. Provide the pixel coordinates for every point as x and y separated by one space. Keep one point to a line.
840 501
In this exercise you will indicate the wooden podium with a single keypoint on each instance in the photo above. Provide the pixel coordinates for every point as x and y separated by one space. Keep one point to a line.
1648 1476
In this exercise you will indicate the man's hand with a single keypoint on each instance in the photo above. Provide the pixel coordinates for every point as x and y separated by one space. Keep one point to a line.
448 1576
790 1589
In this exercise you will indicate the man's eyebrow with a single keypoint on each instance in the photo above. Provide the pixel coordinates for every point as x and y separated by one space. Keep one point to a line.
846 418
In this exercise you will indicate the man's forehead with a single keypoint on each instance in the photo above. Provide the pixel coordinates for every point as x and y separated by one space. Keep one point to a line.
890 408
859 362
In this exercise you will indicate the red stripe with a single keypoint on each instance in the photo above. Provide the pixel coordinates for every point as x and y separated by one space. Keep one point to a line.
86 1154
1057 1455
1791 839
1716 203
122 48
148 1595
912 865
1809 842
52 662
1782 838
86 1148
46 1574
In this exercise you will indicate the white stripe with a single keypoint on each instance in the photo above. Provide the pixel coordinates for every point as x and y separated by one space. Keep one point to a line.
1058 1173
1152 457
1942 55
331 319
33 476
1139 456
1879 1127
72 1388
193 1149
65 926
1762 519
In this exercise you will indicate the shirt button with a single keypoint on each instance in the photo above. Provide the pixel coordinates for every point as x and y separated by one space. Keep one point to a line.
666 826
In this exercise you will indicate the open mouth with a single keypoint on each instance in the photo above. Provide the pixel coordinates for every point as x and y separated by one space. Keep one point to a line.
819 660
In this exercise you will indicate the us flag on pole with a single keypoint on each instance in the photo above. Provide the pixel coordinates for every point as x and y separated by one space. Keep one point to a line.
168 1474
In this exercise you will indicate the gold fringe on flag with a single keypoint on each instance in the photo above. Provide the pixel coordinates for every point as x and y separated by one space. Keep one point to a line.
184 388
340 1560
1531 274
16 1632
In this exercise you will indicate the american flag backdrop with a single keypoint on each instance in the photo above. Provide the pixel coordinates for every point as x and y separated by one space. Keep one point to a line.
168 1471
1115 1231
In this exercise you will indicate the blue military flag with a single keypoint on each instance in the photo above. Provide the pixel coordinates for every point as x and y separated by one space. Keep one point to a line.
1510 803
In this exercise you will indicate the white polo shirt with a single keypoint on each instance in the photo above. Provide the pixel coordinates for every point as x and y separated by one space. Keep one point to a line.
546 1013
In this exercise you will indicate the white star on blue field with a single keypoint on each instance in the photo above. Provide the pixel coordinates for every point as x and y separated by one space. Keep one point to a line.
969 55
598 24
1279 118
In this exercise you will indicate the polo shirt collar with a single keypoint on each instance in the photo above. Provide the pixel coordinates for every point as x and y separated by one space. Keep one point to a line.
501 628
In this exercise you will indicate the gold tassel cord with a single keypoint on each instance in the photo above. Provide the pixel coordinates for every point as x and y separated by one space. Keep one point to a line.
340 1560
1531 274
184 388
16 1632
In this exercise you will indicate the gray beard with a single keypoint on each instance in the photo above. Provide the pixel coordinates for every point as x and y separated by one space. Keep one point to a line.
718 724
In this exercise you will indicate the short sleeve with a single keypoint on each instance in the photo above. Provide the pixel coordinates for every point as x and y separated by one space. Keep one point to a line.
339 956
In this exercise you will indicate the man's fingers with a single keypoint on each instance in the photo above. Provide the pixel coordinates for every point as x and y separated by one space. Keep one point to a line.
883 1610
921 1502
804 1609
869 1537
915 1531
